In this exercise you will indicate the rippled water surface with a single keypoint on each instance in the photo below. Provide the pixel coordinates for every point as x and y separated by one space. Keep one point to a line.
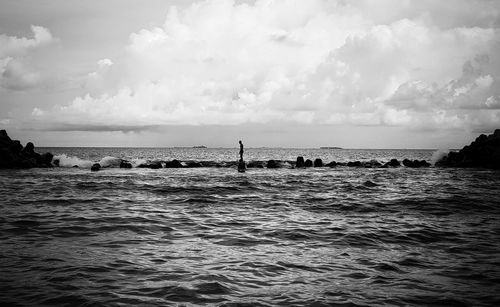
212 236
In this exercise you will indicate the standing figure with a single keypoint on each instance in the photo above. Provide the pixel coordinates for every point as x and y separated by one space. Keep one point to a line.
241 151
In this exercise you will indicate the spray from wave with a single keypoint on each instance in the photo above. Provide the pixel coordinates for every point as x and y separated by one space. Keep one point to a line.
438 155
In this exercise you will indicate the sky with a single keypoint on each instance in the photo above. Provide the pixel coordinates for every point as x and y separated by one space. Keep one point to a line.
274 73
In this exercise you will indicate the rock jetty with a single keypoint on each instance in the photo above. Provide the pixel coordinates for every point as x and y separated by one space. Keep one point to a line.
14 155
484 152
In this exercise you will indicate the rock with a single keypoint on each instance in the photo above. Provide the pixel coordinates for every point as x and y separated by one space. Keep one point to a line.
354 164
125 164
332 164
255 164
318 163
29 149
241 166
75 166
372 164
415 163
193 164
47 159
272 164
151 165
299 162
16 147
308 163
392 163
56 162
13 155
173 164
95 167
484 152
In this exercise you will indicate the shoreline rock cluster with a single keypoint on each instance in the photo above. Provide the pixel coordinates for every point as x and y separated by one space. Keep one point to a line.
14 155
484 152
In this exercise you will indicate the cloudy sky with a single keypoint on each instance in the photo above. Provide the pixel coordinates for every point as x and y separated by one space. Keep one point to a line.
291 73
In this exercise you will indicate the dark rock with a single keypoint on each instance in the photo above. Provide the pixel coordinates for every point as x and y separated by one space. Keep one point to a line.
13 155
273 164
125 164
318 163
299 162
241 166
193 164
75 166
46 159
56 162
255 164
16 147
354 164
151 165
95 167
332 164
372 164
415 163
173 164
484 152
392 163
29 149
308 163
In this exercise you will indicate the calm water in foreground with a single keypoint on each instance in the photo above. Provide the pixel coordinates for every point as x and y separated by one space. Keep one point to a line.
213 236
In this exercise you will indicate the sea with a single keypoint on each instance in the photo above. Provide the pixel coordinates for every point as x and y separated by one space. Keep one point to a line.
212 236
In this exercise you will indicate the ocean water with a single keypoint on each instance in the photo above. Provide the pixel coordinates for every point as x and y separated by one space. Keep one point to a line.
268 237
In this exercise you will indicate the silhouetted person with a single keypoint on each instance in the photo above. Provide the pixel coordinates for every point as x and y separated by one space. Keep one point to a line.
241 151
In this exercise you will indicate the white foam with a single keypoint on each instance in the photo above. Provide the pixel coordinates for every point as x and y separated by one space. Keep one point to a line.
438 155
65 161
110 162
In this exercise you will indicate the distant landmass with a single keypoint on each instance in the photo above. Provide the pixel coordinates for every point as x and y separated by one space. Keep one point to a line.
330 147
200 146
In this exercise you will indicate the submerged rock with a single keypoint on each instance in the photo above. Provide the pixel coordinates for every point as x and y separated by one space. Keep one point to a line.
95 167
299 162
484 152
318 163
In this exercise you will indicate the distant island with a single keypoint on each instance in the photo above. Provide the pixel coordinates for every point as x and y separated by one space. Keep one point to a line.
328 147
200 146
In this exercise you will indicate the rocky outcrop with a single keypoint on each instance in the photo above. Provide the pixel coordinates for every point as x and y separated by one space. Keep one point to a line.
308 163
484 152
13 155
299 162
318 163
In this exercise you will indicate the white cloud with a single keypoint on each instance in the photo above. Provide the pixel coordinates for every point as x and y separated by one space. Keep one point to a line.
16 71
325 62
